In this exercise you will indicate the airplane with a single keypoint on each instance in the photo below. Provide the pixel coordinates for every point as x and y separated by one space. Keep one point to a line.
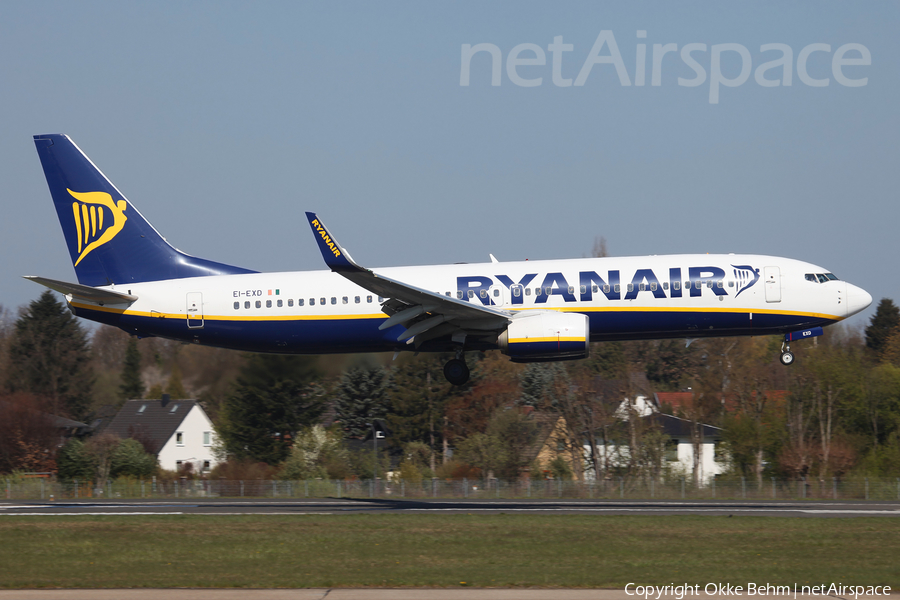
130 277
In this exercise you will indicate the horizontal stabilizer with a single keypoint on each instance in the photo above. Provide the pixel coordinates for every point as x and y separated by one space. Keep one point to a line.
84 292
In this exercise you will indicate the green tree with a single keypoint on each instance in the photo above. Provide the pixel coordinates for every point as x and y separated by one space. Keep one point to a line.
317 453
482 451
273 397
503 448
49 356
361 397
174 387
73 461
515 433
419 394
132 384
129 459
539 382
884 322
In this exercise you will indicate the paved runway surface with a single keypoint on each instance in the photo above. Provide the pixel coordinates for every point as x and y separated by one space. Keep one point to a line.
367 594
381 506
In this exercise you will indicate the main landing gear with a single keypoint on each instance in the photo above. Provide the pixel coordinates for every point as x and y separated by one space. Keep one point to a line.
456 370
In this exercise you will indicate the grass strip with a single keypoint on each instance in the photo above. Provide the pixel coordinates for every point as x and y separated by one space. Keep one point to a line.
443 550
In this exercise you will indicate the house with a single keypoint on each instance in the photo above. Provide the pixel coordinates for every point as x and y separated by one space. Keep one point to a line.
552 441
678 454
178 431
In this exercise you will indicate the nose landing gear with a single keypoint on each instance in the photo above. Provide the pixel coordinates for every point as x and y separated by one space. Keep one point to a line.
787 357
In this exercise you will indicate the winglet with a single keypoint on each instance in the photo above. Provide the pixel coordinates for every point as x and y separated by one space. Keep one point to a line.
335 256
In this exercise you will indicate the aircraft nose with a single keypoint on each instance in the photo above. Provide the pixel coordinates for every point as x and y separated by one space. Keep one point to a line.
858 299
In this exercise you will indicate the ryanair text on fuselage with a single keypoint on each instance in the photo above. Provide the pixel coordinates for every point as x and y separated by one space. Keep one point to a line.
590 282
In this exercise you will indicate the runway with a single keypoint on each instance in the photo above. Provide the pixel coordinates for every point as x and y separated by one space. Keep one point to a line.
382 506
376 594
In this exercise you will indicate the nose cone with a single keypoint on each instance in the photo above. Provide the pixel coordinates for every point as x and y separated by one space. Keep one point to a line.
858 299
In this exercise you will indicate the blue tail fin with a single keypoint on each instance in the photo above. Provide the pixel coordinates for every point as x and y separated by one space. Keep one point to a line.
109 241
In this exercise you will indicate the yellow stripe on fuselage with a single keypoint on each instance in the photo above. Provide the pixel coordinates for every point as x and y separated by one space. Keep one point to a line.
545 339
326 317
160 315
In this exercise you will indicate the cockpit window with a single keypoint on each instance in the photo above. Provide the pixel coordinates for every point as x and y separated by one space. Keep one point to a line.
821 277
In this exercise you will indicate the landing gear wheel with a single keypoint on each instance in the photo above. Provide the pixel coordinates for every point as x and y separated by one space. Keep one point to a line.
456 371
787 357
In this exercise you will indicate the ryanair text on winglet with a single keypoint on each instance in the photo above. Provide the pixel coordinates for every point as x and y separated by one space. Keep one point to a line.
326 238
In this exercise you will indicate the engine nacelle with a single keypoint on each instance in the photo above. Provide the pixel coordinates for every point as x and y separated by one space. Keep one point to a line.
546 336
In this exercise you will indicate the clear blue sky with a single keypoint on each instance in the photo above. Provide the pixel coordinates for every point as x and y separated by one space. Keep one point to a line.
224 121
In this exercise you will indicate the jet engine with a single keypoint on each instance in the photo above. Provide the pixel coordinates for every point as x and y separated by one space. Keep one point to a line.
546 336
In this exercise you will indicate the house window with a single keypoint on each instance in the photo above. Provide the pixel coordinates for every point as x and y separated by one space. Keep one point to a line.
207 438
206 466
174 408
720 451
179 438
672 450
142 408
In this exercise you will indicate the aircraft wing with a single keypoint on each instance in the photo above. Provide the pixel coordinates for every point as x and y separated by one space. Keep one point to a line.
426 315
84 292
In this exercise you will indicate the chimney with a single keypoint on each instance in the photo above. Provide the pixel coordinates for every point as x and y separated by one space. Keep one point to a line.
165 399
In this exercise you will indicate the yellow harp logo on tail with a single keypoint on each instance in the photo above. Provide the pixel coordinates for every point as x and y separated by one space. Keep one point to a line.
97 220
